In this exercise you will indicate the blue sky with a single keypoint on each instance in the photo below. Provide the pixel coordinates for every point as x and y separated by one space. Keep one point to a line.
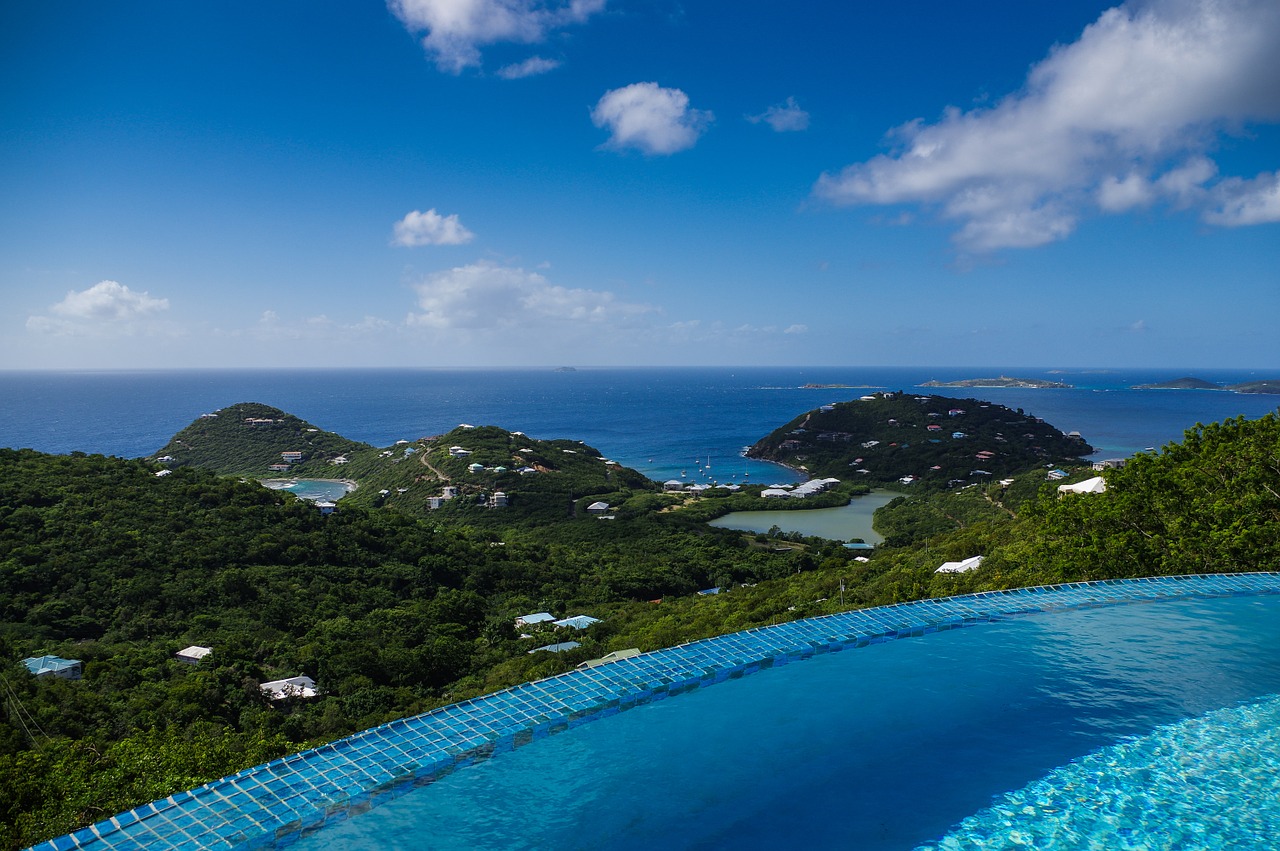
610 182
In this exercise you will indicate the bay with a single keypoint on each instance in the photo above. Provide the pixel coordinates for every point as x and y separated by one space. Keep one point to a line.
661 421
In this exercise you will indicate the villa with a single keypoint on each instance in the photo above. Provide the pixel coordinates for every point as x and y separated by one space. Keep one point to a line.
53 666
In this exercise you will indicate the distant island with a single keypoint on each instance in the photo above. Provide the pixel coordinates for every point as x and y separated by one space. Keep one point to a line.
1190 383
826 386
1186 383
1270 385
1002 381
566 369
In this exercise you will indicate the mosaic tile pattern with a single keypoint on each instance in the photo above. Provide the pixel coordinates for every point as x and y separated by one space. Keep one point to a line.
273 805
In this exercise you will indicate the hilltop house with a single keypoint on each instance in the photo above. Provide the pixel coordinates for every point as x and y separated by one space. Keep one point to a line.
598 508
1095 485
193 655
53 666
960 566
536 617
291 457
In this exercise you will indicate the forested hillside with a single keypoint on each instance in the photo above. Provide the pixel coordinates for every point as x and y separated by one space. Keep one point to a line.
935 442
246 439
103 561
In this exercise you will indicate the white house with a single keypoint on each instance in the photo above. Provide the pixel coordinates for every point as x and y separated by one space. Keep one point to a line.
536 617
673 485
960 566
300 687
193 655
598 508
1095 485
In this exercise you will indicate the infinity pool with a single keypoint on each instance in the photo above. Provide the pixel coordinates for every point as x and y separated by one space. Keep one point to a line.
1145 725
1125 714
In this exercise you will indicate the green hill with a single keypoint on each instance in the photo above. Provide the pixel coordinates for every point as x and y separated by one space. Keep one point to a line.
519 479
248 438
938 441
538 481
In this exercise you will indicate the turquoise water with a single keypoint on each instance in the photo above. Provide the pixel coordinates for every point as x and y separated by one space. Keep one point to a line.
836 524
315 490
1032 726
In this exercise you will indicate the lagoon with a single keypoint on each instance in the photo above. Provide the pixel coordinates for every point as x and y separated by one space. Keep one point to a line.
836 524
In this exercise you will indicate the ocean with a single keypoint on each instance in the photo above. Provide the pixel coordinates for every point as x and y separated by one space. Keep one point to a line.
661 421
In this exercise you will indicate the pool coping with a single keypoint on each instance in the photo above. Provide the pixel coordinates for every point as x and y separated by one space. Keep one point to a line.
275 804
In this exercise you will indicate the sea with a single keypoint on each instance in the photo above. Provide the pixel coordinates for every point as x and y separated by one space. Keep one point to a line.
683 423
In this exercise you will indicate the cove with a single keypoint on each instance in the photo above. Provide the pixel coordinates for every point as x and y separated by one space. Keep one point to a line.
316 490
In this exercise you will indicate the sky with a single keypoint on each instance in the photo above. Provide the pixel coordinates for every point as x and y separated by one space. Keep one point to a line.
450 183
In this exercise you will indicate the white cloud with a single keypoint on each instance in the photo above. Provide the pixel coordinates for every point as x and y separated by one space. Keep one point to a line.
783 117
1116 194
430 228
1118 119
531 67
486 297
107 307
457 29
109 301
796 329
1246 202
649 118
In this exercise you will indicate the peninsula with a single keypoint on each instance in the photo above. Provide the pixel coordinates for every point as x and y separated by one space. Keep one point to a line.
928 442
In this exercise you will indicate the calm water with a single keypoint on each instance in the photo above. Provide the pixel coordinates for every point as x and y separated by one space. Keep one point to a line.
891 746
836 524
660 421
316 490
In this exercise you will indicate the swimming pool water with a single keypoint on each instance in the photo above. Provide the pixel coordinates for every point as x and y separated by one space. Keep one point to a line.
1067 727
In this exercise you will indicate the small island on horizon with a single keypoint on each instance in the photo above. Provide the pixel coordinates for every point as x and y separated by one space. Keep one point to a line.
1002 381
1184 383
1269 385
